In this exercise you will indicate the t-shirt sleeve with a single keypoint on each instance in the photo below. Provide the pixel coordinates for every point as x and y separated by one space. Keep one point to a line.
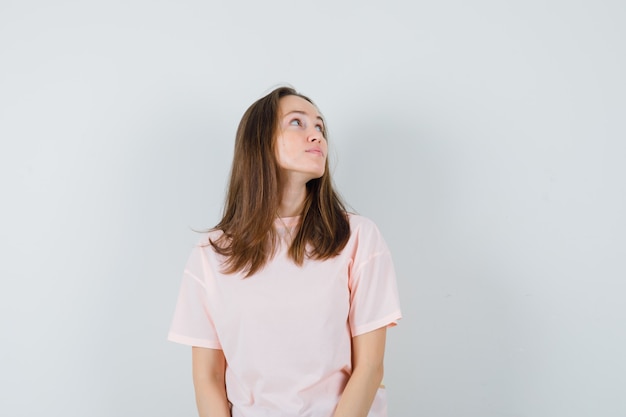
374 301
193 323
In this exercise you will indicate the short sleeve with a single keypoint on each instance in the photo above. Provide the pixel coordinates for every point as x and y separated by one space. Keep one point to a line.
374 301
193 323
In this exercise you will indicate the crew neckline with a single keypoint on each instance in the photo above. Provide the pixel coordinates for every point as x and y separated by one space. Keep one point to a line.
282 222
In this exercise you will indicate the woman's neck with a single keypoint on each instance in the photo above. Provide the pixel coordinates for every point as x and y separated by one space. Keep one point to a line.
292 202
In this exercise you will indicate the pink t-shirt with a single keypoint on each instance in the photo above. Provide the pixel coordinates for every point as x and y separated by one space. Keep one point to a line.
286 331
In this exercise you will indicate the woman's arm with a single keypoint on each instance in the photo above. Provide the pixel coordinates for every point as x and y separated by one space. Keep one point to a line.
368 352
209 367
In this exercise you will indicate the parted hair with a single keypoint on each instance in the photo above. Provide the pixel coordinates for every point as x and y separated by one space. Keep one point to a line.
249 239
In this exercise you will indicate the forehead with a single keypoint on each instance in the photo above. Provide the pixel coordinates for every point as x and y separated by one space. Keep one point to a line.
292 103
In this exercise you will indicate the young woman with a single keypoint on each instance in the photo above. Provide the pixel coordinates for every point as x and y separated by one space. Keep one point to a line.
287 300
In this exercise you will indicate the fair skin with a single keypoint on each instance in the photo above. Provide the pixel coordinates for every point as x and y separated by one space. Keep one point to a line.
301 151
208 369
368 352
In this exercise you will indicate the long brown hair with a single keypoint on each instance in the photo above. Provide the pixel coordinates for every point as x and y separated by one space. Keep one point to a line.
249 238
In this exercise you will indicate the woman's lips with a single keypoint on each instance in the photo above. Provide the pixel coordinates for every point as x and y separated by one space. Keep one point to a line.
316 151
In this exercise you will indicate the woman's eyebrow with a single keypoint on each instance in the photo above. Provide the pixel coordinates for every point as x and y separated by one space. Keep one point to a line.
303 113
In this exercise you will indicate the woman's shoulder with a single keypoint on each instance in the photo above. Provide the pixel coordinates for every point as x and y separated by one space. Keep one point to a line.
358 220
361 225
366 239
206 237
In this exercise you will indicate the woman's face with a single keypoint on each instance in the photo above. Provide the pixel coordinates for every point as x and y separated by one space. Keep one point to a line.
301 147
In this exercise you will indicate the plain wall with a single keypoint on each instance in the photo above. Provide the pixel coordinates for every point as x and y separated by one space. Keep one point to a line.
485 138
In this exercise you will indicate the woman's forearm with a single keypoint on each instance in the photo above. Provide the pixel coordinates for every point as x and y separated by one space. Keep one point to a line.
368 352
211 399
208 369
359 393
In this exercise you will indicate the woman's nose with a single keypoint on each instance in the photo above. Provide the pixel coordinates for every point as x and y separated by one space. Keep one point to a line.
315 135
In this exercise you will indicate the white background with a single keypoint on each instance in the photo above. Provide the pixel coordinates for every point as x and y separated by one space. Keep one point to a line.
485 138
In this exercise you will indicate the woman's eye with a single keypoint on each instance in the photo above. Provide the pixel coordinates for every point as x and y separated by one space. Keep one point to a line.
296 122
319 128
